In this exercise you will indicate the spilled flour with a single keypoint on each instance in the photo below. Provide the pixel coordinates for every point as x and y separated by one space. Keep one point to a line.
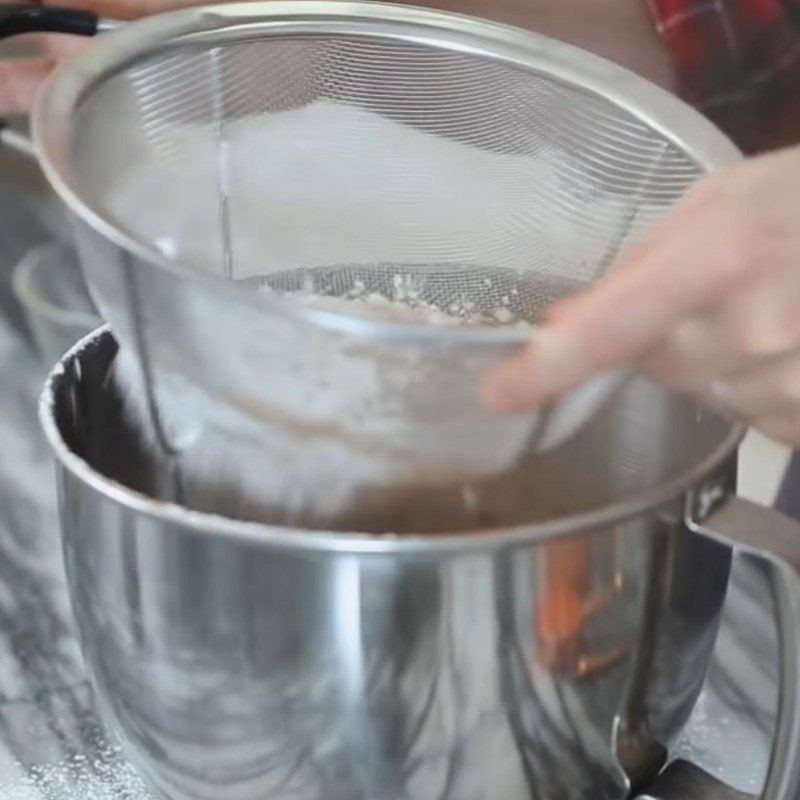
103 776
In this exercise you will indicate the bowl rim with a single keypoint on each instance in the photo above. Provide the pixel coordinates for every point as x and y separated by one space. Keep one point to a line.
283 537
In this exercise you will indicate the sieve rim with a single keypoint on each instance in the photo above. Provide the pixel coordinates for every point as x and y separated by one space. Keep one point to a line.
256 534
61 97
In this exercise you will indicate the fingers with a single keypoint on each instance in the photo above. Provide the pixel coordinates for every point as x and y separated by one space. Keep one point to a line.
58 46
746 331
710 303
768 392
20 78
784 428
684 266
712 295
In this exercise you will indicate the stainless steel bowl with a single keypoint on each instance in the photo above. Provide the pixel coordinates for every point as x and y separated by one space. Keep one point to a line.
555 653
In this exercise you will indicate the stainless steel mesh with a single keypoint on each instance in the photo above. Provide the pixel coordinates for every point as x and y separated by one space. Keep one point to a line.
258 157
348 150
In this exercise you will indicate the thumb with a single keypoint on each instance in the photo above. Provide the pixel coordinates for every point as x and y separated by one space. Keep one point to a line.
20 78
626 314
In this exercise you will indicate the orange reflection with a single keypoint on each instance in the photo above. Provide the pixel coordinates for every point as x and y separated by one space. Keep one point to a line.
565 602
565 575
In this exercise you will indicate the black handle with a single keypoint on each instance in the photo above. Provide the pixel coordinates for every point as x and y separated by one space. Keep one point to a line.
18 18
31 18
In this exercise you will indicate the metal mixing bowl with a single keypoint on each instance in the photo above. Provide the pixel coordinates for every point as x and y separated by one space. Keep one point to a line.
555 652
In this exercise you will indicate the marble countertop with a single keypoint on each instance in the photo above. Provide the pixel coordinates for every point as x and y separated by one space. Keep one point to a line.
52 745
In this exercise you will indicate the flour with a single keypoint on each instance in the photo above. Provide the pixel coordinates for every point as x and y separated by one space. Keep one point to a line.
105 775
336 184
404 304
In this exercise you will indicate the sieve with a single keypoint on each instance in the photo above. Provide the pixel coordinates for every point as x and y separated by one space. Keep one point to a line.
251 181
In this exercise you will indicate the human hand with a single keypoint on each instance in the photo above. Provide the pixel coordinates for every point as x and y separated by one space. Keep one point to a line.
709 303
20 78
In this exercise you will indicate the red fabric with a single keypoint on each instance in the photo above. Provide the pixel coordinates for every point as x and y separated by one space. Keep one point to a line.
734 58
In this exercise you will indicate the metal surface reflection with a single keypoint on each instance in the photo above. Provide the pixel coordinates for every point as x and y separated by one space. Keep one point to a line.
236 667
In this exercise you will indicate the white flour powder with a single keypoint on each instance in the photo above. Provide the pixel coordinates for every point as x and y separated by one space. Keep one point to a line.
103 776
336 184
405 303
325 185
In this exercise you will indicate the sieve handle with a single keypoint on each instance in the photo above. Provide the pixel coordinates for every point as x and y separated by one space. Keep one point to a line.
20 18
766 534
769 535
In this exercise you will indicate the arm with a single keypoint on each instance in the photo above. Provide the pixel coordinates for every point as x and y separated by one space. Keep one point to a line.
709 303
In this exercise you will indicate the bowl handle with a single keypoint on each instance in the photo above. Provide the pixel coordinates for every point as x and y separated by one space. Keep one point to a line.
684 781
762 532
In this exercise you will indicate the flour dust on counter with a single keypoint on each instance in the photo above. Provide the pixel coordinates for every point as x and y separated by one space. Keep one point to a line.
103 776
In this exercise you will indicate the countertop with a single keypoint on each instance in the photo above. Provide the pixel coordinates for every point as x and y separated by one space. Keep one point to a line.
52 745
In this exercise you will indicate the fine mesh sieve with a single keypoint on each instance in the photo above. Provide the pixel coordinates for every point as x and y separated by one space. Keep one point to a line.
262 175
